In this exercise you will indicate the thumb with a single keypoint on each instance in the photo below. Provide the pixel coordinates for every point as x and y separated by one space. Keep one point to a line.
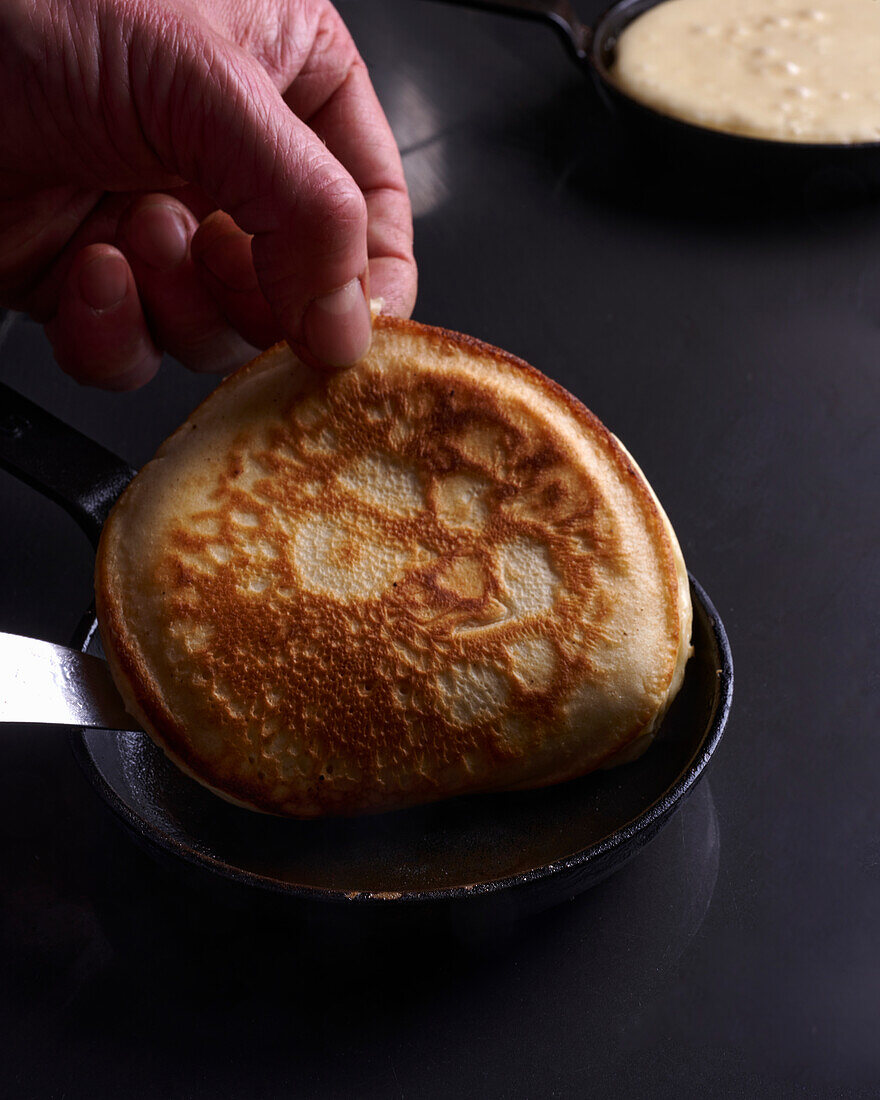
214 117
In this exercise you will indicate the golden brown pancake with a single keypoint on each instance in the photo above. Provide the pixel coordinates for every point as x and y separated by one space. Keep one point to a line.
431 574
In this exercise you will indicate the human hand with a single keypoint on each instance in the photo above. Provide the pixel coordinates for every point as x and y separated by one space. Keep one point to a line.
196 176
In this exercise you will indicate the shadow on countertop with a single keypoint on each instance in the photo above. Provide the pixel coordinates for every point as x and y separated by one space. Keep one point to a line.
109 959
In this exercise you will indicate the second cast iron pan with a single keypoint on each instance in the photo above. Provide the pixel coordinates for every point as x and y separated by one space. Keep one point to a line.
696 156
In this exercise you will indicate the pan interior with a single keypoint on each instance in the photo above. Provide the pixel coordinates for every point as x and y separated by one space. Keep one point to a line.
453 844
602 55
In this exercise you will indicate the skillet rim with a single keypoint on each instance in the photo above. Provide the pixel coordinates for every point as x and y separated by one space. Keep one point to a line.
603 857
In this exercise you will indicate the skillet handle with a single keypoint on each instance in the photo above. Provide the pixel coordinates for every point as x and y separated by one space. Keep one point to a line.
560 14
62 463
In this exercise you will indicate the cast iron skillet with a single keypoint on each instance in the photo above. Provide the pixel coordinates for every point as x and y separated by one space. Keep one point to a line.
701 155
485 857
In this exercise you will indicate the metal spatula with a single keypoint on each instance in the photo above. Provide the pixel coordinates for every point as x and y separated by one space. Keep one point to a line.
45 683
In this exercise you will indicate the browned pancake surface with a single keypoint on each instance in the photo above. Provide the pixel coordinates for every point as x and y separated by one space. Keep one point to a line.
430 574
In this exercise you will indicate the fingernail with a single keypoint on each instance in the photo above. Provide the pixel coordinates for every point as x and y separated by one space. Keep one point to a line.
337 328
230 260
103 282
158 236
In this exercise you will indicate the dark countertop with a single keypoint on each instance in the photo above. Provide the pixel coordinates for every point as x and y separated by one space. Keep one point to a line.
734 348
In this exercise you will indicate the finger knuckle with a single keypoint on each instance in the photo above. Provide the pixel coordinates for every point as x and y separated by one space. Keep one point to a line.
338 204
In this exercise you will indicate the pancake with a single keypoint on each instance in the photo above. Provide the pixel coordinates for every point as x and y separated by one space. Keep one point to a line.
432 574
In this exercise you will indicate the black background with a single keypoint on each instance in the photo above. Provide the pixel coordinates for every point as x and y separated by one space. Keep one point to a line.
734 347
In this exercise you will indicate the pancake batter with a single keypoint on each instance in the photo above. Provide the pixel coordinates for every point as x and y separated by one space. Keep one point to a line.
787 70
